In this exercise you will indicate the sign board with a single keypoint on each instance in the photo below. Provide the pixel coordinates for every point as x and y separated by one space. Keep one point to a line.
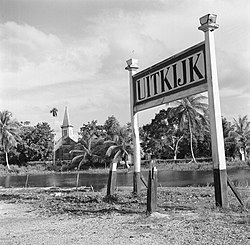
177 77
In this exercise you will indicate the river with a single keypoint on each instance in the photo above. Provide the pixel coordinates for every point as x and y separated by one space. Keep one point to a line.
166 178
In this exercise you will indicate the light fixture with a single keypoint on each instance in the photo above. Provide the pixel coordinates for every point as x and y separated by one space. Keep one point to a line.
208 22
208 19
132 62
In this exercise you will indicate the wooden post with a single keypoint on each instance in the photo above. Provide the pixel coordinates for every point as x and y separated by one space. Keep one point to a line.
132 66
152 188
112 179
208 25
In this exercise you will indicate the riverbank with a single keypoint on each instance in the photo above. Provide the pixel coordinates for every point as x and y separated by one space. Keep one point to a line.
38 169
184 216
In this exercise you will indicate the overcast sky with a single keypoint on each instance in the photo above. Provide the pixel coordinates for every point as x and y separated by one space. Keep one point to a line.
57 53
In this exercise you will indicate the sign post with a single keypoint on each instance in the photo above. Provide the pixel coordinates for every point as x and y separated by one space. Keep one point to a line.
189 72
208 25
132 66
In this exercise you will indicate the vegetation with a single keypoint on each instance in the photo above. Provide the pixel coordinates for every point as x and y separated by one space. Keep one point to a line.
111 126
89 145
121 146
241 135
54 112
185 215
9 134
36 143
181 131
191 114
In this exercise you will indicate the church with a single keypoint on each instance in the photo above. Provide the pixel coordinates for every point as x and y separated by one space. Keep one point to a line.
67 142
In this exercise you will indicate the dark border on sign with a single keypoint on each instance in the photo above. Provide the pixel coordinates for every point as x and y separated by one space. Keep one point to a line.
173 59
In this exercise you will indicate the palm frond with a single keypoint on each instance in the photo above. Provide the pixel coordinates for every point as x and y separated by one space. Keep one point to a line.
117 155
110 150
77 158
76 151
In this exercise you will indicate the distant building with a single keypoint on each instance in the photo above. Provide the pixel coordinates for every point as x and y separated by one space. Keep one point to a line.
67 142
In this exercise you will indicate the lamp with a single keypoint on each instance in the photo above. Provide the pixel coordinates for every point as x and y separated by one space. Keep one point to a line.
208 21
208 18
132 63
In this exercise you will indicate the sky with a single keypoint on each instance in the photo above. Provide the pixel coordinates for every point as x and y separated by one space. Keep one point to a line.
57 53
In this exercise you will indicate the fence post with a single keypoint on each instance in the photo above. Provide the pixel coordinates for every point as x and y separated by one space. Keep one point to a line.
152 188
112 179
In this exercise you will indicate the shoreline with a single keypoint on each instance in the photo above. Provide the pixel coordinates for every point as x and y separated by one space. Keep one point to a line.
38 170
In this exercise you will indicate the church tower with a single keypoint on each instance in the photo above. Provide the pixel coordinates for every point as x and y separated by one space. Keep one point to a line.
66 143
67 129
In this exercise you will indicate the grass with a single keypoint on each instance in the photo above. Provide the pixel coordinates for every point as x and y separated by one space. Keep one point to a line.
185 215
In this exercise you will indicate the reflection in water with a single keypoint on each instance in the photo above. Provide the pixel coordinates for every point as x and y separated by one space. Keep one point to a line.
99 181
53 181
7 181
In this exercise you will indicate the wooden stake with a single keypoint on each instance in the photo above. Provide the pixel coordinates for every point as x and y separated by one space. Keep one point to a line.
152 189
112 179
236 193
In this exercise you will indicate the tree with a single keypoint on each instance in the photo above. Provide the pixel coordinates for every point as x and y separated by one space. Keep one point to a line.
54 111
162 137
241 133
230 141
9 130
23 146
175 145
191 112
89 145
121 146
36 142
111 126
54 114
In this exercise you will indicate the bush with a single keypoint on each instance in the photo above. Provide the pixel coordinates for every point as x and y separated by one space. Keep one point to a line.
248 162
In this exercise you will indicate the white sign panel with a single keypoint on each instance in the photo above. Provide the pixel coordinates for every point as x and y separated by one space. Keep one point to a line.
174 78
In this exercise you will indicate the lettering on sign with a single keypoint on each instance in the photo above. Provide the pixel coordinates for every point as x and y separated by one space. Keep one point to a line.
170 78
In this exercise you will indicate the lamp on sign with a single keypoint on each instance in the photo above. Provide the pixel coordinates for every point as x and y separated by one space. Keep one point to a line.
132 62
208 20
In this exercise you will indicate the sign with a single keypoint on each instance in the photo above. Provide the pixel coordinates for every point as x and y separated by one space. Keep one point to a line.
177 77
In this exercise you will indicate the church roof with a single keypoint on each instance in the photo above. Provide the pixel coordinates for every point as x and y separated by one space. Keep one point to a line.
64 141
66 119
58 144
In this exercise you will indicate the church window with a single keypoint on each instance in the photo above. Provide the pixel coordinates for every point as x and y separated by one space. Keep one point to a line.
65 132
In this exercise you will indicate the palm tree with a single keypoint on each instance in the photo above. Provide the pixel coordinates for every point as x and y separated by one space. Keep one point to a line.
9 133
118 148
88 147
121 146
241 132
191 112
54 111
87 150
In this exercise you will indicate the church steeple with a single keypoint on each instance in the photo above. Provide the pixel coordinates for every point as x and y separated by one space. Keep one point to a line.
67 129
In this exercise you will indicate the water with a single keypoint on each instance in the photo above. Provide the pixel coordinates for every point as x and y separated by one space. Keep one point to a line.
99 181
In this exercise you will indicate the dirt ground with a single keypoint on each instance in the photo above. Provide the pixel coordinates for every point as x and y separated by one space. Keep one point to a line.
184 216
